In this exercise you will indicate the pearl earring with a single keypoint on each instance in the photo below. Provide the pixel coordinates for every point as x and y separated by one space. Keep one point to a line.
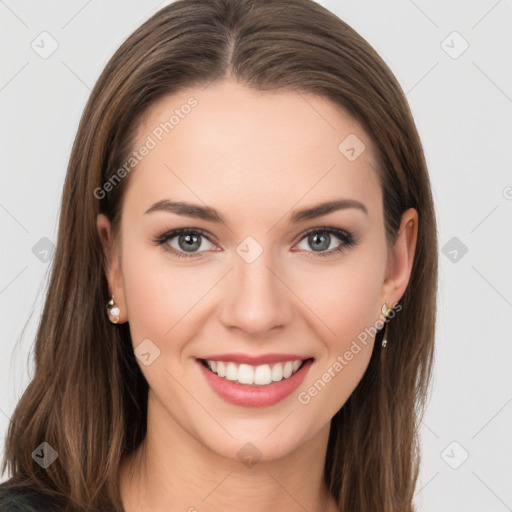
113 311
386 312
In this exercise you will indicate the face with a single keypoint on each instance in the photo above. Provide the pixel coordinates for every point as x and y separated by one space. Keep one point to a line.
243 270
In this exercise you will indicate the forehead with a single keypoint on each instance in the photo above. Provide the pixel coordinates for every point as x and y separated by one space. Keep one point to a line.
239 149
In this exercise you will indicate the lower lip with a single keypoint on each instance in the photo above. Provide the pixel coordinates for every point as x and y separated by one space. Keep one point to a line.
255 396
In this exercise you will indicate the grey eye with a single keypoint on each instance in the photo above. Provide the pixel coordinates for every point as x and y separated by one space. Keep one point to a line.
188 242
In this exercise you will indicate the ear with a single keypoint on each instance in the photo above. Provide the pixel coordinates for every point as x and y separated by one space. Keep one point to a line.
113 263
401 257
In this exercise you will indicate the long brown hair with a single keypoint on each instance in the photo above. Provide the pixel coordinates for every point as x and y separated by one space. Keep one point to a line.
88 397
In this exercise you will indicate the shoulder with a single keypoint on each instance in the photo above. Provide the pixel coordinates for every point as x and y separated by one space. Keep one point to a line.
22 499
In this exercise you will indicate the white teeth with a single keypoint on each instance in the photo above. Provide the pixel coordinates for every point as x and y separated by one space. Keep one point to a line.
221 369
261 375
245 374
231 371
277 372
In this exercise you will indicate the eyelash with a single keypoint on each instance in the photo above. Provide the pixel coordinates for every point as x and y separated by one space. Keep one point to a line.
344 236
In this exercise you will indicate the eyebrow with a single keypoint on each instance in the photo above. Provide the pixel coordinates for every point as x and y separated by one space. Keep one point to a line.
210 214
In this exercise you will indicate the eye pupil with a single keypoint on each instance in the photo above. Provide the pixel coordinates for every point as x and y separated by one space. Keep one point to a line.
188 242
321 239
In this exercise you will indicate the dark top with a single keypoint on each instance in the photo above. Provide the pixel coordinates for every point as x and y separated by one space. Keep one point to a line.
22 499
27 499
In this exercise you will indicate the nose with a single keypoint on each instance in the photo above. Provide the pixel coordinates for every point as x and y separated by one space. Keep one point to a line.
256 297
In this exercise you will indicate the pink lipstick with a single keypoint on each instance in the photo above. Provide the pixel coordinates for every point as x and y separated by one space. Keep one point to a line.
255 395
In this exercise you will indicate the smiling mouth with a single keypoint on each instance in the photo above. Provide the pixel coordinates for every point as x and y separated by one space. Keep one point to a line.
254 375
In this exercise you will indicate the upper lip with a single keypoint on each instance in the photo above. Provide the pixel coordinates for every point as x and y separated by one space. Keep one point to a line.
255 360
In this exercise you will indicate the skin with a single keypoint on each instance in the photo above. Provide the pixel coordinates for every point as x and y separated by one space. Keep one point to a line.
256 157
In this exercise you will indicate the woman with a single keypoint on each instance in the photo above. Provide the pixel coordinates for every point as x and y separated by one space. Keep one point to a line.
241 310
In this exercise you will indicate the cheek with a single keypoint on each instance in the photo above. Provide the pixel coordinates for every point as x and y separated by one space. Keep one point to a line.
346 302
157 296
343 297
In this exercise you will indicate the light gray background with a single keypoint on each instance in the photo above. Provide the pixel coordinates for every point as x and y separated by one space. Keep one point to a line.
462 105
